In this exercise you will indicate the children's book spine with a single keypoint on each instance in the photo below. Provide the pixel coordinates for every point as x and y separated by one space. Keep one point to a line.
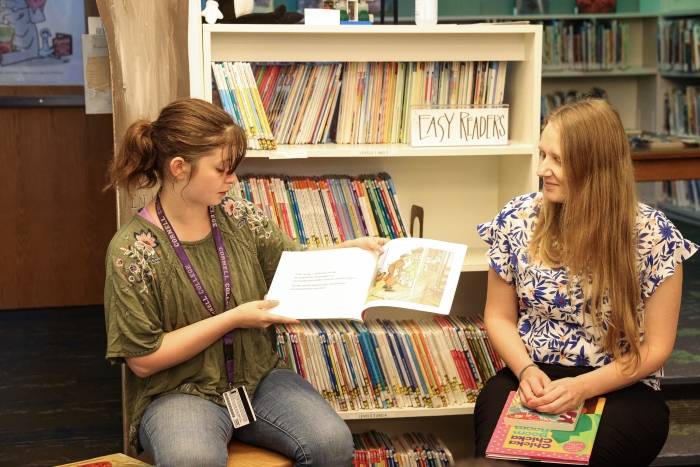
376 206
394 199
348 231
373 371
382 207
382 195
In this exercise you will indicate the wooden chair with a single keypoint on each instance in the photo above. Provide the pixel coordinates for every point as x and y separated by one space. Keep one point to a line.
244 455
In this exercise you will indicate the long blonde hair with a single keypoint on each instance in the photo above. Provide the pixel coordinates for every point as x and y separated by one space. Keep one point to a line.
593 230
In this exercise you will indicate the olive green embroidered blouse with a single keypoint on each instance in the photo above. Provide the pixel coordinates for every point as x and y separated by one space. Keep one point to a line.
148 293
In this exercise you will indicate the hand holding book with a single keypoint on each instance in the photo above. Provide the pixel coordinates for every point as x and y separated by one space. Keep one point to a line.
520 415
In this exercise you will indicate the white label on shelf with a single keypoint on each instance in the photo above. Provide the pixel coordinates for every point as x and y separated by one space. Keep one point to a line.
373 415
374 152
468 126
293 154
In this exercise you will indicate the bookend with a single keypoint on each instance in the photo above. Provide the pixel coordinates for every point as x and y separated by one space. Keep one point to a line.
417 213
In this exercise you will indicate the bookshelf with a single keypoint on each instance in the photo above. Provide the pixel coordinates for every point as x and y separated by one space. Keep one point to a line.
457 187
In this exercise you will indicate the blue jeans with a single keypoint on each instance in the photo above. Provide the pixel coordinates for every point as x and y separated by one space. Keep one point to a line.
292 418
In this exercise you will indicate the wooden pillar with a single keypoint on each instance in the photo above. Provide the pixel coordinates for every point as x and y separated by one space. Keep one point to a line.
148 57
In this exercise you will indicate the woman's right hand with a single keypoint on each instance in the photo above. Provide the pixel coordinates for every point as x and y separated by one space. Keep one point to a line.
532 385
256 314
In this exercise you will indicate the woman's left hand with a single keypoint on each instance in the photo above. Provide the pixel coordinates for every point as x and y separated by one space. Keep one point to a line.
366 243
559 396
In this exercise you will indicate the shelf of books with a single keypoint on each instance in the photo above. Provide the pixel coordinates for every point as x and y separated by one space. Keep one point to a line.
457 186
614 55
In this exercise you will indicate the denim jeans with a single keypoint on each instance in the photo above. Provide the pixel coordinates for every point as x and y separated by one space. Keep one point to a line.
181 430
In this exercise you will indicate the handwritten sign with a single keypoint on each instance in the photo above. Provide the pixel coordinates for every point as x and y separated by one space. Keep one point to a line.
467 126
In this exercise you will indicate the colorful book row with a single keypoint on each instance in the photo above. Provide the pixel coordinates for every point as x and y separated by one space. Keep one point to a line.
682 111
241 99
299 99
682 193
380 364
348 103
326 210
376 98
585 45
679 45
376 449
552 101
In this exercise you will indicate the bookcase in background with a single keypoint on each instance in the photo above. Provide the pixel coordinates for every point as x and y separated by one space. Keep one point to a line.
458 187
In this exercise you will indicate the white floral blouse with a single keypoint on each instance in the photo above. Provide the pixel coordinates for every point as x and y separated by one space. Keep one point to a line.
553 323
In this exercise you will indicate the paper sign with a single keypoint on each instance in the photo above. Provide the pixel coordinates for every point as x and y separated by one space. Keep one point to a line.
475 126
321 17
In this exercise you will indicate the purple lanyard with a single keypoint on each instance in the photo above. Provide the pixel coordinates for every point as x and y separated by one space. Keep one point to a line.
194 278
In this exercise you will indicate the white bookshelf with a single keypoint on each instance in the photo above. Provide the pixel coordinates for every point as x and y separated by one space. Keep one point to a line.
457 187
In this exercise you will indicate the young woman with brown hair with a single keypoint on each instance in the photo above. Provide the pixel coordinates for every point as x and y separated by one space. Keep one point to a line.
584 290
185 303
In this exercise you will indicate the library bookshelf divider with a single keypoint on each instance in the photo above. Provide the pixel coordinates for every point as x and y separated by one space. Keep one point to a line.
458 187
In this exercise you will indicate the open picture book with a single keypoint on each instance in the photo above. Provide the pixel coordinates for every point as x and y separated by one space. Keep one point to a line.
519 415
412 273
545 445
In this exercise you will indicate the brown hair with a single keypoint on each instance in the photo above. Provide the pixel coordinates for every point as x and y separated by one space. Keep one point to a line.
592 231
187 128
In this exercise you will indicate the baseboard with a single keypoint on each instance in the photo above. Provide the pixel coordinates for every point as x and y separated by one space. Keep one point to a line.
676 461
681 388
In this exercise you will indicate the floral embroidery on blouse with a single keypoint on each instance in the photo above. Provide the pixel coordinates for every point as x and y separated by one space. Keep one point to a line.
143 254
248 213
553 322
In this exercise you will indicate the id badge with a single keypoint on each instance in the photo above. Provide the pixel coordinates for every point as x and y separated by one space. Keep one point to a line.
239 408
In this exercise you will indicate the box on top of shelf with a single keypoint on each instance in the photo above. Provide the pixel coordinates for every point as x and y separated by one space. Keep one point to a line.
596 6
678 6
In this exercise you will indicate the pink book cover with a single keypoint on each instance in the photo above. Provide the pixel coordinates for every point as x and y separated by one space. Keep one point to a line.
545 445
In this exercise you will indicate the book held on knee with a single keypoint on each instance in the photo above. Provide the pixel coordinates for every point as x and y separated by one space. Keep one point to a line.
519 415
412 273
544 444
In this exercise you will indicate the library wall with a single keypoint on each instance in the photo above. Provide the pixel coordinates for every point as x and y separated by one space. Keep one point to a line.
55 223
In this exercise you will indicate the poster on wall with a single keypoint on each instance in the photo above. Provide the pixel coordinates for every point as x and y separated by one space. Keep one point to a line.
40 42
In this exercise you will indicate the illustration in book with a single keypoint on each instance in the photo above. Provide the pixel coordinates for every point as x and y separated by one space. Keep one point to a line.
545 445
520 415
412 273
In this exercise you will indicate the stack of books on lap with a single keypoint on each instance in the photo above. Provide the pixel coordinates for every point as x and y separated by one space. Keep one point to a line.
534 439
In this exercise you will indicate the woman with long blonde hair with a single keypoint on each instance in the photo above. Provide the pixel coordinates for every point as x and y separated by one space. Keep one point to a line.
584 290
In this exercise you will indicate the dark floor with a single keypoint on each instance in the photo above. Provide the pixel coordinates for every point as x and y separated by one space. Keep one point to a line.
60 400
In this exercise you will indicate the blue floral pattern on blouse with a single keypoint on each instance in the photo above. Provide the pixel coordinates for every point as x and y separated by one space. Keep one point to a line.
553 323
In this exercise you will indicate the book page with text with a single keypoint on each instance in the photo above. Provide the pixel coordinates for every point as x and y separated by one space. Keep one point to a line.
323 284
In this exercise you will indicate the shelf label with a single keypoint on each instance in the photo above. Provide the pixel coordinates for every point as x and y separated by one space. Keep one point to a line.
463 126
374 152
293 154
372 415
